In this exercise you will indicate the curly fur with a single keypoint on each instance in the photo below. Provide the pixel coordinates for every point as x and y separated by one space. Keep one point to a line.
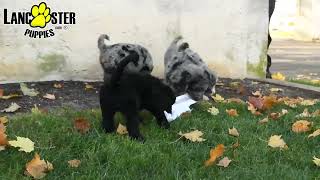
129 93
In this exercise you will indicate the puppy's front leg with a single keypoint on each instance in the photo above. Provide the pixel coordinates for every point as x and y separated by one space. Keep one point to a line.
161 119
107 120
133 121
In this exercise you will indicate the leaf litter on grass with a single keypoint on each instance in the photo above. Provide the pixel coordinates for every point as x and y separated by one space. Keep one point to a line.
38 168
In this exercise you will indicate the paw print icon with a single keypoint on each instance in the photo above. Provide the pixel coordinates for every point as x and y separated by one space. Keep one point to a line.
41 15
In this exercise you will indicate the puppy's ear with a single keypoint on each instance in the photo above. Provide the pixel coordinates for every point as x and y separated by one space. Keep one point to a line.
183 46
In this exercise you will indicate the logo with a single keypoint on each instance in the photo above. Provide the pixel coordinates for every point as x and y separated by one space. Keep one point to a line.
39 17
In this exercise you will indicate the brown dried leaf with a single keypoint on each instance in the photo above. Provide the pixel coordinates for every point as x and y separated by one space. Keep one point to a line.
82 125
57 85
214 154
1 92
88 87
277 142
74 163
49 96
257 93
224 162
38 168
10 96
256 102
275 116
236 145
232 112
3 120
263 121
242 90
301 126
122 130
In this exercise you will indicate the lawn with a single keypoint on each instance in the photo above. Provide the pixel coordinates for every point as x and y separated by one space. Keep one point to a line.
162 156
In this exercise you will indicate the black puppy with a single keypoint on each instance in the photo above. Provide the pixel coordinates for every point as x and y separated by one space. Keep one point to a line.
131 92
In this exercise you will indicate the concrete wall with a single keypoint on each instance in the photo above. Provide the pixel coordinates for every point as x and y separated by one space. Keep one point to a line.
229 35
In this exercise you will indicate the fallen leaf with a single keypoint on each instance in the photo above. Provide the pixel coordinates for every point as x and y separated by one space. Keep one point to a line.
234 132
194 136
27 91
214 111
316 161
257 102
220 84
276 90
269 102
10 96
304 114
277 142
3 137
82 125
284 112
257 93
57 85
50 96
122 130
88 86
12 108
214 154
38 168
74 163
301 126
263 121
218 98
278 76
1 92
253 110
236 145
224 162
308 102
315 133
25 144
275 116
3 120
232 112
316 113
241 90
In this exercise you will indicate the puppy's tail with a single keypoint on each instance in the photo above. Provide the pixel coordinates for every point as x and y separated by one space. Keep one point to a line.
101 45
116 75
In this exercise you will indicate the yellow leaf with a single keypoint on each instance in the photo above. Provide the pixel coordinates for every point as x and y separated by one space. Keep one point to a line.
194 136
276 90
234 132
122 130
263 121
315 133
12 108
278 76
88 86
316 161
50 96
304 114
25 144
301 126
38 168
214 154
277 142
10 96
57 85
316 113
74 163
214 111
224 162
3 120
232 112
308 102
218 98
27 91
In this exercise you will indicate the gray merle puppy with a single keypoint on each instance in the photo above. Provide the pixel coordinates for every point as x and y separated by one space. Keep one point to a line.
186 72
129 92
111 55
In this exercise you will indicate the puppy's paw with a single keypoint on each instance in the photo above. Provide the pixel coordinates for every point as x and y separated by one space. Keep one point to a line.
109 130
165 124
139 138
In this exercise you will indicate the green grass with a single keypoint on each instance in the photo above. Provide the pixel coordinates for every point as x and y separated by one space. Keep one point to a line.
305 82
111 156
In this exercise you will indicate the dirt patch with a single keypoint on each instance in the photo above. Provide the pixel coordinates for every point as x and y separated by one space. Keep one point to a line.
74 95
